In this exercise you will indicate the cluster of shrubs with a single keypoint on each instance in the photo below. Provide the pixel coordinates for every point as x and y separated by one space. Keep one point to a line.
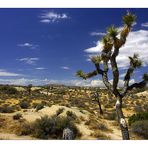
141 128
7 109
50 127
138 117
6 89
139 124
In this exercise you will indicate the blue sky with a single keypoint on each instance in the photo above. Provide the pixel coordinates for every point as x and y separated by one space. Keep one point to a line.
42 46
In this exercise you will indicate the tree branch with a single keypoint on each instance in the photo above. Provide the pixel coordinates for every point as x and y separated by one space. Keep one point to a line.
137 85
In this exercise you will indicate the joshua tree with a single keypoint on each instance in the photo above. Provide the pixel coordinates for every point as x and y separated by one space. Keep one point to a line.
29 89
97 99
112 42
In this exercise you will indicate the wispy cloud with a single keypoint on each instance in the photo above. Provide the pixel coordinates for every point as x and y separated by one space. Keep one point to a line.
65 68
30 61
137 42
97 34
4 73
144 24
52 17
78 82
40 68
28 45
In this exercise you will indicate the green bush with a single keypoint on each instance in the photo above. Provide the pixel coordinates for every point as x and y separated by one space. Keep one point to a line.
25 129
24 104
140 128
71 115
7 109
138 117
8 89
39 107
59 111
17 116
52 127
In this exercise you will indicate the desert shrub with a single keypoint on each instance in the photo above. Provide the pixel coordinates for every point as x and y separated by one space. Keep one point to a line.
7 109
111 116
138 109
77 103
138 117
39 107
59 111
24 104
17 116
8 89
71 115
52 127
145 107
102 127
25 129
140 128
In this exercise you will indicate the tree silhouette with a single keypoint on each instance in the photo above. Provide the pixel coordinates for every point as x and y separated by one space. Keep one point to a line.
112 42
29 89
96 98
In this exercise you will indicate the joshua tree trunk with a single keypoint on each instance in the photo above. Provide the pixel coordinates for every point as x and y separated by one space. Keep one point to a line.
100 108
121 120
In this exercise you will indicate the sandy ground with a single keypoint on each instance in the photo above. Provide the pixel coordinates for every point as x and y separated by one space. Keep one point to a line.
145 93
7 136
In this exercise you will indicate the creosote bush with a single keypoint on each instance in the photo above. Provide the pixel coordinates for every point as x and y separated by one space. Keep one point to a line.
140 128
39 107
71 115
17 116
7 109
138 117
52 127
8 89
59 111
24 104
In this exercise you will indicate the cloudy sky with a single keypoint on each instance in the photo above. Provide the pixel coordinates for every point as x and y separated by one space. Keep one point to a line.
41 46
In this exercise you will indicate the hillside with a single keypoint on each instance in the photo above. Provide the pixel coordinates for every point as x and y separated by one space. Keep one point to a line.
19 110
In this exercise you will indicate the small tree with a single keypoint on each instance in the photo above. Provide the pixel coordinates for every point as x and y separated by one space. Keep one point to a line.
112 42
29 89
96 97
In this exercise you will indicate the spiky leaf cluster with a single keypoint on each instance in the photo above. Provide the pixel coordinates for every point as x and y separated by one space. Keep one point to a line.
107 45
112 32
135 62
129 19
96 59
80 74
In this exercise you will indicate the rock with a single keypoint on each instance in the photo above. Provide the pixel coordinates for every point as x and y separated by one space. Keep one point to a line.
68 134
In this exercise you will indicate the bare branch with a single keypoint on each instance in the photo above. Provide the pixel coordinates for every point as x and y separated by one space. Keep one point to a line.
134 63
141 84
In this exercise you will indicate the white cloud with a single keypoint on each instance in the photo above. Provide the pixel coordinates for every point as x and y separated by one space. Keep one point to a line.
137 42
97 34
4 73
144 24
65 68
28 45
78 82
30 61
40 68
52 17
